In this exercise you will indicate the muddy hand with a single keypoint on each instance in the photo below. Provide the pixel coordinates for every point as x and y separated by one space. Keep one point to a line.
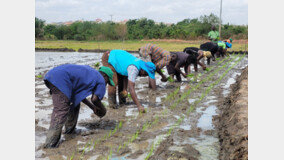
141 109
164 79
100 112
123 94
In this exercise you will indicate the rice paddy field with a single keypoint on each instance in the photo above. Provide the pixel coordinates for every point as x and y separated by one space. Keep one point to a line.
184 120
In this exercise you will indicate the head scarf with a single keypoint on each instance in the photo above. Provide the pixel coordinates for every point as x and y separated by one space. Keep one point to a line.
228 45
108 72
207 54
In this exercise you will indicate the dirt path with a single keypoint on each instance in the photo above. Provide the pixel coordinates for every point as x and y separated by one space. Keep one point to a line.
233 121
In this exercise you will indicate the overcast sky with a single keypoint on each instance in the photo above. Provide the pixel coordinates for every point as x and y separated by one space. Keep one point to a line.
169 11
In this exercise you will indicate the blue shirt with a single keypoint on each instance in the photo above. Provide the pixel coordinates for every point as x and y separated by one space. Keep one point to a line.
77 82
121 59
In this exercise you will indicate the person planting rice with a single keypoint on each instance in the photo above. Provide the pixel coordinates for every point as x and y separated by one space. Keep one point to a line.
225 45
199 54
126 69
178 60
70 84
213 48
158 56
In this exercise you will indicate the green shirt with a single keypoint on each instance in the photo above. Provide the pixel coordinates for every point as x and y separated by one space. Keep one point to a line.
214 35
222 44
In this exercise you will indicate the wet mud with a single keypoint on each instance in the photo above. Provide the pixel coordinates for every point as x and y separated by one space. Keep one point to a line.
196 137
233 121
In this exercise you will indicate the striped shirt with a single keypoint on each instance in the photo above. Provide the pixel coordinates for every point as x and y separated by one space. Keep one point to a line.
159 56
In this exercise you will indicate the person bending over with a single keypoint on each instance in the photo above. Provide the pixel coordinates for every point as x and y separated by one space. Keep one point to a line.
178 60
213 48
158 56
224 46
199 54
126 69
69 85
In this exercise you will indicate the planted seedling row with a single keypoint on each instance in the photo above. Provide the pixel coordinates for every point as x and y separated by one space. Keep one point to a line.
185 94
145 126
191 108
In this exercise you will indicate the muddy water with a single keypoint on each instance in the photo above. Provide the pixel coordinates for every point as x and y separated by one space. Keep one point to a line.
197 129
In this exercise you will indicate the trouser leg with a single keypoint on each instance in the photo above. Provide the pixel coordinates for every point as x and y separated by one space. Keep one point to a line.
72 119
208 61
178 77
111 89
122 88
58 117
213 56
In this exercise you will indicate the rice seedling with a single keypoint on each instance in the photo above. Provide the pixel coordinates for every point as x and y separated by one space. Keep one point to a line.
110 154
170 79
193 106
149 124
190 75
97 65
146 125
129 96
39 76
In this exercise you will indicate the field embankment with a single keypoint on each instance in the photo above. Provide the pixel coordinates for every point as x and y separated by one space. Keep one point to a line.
233 121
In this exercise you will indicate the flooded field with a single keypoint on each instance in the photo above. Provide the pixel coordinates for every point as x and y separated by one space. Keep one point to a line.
179 123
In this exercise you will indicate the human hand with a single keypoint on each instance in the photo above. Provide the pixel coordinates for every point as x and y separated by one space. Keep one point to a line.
123 94
164 79
141 109
100 112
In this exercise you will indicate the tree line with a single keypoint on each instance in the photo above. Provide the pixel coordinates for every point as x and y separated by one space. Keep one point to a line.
137 29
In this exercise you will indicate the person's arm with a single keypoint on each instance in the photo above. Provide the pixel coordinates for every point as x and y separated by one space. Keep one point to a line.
202 65
177 68
199 56
209 36
152 83
131 86
96 105
208 61
195 67
188 70
218 35
164 78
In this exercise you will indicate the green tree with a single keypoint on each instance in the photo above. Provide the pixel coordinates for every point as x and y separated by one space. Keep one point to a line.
39 25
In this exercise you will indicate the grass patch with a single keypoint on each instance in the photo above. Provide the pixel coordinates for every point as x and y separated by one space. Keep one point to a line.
131 45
